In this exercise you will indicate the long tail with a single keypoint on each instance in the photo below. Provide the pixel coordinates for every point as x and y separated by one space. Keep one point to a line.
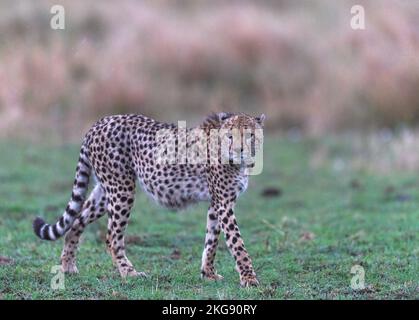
72 211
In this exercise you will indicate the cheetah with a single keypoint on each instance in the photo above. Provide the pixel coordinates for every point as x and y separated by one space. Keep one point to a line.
120 150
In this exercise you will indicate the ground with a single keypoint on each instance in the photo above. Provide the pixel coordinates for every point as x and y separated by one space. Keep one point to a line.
304 227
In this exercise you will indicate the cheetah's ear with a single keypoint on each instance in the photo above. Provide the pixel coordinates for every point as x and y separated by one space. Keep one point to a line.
214 120
223 116
261 119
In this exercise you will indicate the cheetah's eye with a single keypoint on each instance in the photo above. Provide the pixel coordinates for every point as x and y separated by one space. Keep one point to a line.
249 136
229 135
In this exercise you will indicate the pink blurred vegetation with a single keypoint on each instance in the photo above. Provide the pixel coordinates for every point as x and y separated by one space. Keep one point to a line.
297 61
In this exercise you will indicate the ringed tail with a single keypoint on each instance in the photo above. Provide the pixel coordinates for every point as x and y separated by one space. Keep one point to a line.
81 183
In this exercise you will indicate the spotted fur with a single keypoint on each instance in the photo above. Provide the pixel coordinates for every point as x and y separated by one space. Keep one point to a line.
118 151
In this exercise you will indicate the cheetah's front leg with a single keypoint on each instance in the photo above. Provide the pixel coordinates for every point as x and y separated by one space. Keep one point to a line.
235 244
211 241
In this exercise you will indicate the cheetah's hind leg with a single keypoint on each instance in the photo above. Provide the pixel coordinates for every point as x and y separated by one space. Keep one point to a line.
119 213
93 209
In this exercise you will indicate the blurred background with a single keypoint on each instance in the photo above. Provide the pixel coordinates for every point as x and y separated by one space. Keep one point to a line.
339 185
299 62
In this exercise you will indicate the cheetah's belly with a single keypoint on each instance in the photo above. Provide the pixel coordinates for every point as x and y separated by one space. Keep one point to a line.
176 192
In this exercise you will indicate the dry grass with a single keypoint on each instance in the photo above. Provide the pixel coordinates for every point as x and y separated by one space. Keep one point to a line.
383 152
299 62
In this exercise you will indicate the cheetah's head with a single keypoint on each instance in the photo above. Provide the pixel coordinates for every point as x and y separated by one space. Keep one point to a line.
241 137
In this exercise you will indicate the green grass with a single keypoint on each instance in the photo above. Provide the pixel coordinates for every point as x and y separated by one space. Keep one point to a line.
363 222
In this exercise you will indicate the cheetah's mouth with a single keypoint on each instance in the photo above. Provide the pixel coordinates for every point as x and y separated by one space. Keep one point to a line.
242 161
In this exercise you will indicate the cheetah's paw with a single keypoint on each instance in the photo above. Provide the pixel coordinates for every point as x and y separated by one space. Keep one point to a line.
211 275
249 281
69 268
